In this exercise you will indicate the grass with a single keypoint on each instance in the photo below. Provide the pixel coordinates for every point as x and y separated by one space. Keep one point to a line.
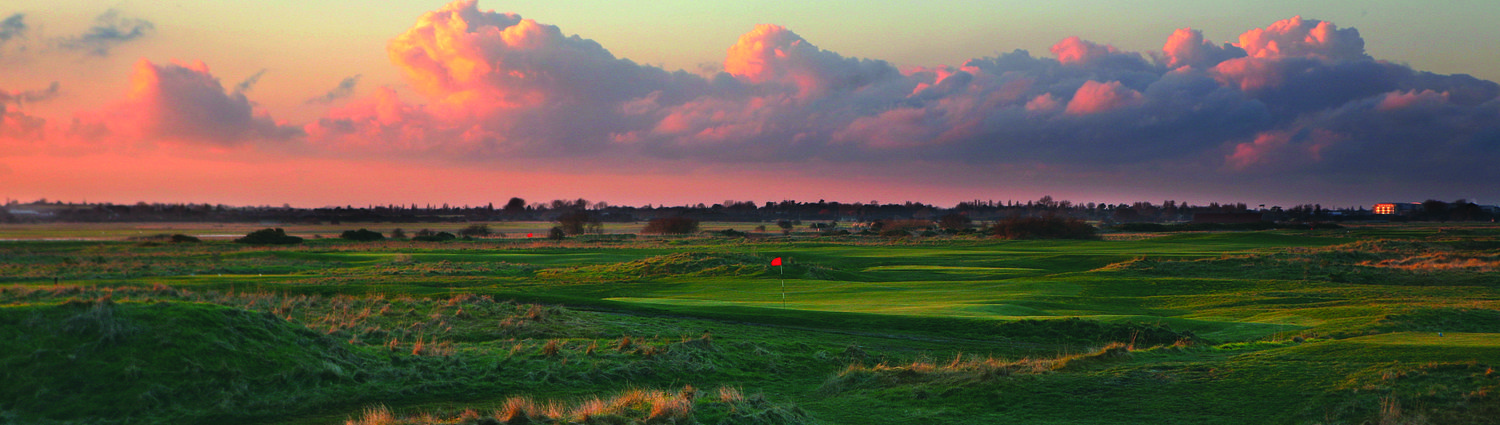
1330 327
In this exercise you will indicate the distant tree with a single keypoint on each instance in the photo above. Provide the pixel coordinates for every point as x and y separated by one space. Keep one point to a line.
671 225
362 235
398 233
477 230
954 222
515 206
557 233
577 222
1044 228
269 237
786 226
1433 209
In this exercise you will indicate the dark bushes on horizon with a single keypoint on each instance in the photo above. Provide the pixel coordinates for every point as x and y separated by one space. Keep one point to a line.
275 236
671 226
362 235
478 230
1044 228
1197 227
427 235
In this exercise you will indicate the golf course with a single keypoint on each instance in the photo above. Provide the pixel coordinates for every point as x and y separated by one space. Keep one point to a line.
1368 323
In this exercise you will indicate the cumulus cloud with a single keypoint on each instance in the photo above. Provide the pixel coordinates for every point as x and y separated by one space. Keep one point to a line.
181 102
344 89
1285 99
110 29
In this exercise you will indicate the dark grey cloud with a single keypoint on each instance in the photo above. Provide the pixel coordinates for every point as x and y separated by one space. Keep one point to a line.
29 96
13 26
110 29
343 90
249 82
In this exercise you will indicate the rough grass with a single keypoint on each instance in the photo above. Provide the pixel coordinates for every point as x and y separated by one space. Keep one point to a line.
685 406
964 371
1319 330
700 264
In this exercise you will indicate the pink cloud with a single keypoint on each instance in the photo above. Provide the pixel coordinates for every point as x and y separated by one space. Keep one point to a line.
1095 97
1186 47
181 102
772 55
1043 103
16 125
1412 98
1074 50
1297 37
1282 149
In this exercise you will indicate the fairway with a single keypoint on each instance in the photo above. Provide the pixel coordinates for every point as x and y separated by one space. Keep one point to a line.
849 330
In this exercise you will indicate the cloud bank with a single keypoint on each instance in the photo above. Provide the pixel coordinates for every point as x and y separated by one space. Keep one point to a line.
1293 97
1297 101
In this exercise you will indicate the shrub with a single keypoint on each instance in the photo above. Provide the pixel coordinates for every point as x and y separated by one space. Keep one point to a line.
181 238
478 230
954 222
576 223
671 225
398 233
269 237
556 233
361 235
1044 228
434 237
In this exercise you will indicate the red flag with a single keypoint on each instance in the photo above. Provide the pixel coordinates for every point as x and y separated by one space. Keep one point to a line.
776 261
528 235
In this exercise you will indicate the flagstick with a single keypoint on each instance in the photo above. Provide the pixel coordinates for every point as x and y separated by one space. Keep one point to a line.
783 284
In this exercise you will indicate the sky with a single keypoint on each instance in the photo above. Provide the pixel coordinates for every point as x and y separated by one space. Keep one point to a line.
319 102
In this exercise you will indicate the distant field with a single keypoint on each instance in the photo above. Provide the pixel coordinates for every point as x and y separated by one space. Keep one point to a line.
1328 326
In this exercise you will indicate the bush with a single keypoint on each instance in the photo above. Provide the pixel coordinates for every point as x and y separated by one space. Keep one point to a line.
671 225
1044 228
269 237
479 230
954 222
426 235
398 234
361 235
577 223
556 234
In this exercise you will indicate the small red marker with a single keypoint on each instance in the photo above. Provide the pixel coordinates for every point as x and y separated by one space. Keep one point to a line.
776 261
528 235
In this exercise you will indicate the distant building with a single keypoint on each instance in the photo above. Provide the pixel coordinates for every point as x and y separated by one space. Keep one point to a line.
1398 208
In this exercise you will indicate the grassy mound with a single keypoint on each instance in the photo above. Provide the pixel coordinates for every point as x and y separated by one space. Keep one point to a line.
169 361
1443 320
1079 331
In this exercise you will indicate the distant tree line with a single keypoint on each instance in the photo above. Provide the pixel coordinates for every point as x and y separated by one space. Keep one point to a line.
580 216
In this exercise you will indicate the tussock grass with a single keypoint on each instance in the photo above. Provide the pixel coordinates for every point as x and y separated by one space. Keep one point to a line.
964 370
636 406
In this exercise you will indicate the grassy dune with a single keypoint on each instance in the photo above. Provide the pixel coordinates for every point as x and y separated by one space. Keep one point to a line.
1328 327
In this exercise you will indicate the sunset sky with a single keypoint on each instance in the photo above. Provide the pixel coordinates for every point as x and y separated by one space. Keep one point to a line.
318 102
